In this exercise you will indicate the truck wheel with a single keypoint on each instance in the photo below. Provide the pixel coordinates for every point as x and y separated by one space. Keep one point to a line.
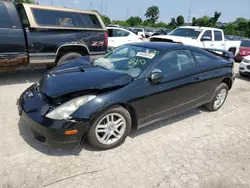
69 56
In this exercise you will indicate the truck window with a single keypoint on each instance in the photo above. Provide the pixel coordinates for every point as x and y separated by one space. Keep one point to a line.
4 17
65 19
217 35
23 15
208 33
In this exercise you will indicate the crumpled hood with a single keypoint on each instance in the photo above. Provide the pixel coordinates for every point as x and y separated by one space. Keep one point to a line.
80 75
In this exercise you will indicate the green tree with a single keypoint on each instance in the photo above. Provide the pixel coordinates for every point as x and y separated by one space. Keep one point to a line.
153 14
213 20
25 1
172 23
180 20
134 21
161 25
106 20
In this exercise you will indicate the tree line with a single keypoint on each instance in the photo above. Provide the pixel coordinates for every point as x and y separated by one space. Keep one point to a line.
240 27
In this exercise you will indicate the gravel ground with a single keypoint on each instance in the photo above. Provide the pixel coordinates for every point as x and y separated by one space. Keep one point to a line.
195 149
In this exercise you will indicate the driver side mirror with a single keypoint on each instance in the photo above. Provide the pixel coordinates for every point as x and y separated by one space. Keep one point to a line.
206 38
156 77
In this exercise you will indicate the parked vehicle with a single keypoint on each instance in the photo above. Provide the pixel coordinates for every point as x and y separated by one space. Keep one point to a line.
35 35
120 36
203 37
132 86
140 32
111 25
244 50
149 32
161 32
245 66
233 37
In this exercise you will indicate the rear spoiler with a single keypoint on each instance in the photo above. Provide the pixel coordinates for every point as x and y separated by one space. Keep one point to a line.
221 53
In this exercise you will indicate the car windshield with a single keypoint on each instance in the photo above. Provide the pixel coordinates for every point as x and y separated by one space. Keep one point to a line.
128 59
245 43
186 32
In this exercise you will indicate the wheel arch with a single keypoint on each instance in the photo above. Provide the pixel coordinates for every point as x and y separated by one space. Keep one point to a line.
228 81
67 48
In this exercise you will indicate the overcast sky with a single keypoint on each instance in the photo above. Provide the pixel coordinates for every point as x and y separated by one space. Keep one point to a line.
118 9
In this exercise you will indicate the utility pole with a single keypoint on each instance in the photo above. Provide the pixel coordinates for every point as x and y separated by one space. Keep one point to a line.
90 5
127 12
101 8
189 13
106 7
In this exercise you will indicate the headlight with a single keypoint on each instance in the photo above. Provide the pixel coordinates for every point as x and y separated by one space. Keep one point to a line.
65 110
246 60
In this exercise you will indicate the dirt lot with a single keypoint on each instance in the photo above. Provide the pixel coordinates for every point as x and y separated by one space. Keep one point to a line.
195 149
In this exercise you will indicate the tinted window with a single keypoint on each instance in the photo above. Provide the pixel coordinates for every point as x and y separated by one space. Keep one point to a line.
175 61
217 35
4 17
186 32
117 33
202 58
208 33
65 19
245 43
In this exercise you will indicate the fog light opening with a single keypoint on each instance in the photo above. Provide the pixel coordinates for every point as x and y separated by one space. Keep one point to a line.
71 132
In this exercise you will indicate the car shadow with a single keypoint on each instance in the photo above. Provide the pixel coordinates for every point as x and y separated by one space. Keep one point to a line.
245 78
22 76
68 149
167 122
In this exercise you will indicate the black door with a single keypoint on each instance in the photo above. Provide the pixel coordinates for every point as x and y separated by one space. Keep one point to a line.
12 42
180 88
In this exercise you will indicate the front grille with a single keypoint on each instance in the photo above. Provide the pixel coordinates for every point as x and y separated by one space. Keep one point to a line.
241 68
248 67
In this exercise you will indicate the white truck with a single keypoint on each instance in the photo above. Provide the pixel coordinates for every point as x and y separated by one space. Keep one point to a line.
203 37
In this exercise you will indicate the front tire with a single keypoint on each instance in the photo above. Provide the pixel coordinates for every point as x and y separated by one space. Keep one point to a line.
219 98
67 57
110 129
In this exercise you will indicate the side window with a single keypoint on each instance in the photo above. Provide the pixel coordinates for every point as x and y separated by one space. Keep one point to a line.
175 61
120 33
207 35
4 17
217 35
202 58
110 32
65 19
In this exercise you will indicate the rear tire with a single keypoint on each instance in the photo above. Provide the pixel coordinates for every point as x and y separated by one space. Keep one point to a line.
219 98
67 57
105 132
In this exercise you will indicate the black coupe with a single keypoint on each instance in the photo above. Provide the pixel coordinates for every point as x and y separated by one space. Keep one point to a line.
130 87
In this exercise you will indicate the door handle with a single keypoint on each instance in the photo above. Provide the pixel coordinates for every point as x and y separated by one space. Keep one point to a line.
211 44
198 78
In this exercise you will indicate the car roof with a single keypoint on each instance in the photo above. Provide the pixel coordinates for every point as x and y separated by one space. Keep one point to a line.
198 27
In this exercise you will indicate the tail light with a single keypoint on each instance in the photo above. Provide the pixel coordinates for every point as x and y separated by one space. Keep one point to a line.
106 38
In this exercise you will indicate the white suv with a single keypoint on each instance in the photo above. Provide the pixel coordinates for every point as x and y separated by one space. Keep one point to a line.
245 66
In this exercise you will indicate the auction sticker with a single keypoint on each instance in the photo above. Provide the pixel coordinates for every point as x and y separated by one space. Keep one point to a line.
146 55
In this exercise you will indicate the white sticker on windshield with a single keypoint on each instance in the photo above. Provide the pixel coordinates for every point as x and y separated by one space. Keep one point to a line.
146 55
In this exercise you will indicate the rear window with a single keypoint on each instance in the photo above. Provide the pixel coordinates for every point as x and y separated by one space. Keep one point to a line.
217 35
4 17
245 43
65 19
